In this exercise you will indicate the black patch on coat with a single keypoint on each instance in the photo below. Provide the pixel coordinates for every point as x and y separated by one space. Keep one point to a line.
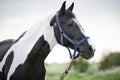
4 46
1 76
33 68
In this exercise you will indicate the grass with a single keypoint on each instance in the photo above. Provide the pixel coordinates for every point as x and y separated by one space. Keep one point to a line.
54 72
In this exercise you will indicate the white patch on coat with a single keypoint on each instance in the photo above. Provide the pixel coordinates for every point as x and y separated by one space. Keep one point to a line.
23 47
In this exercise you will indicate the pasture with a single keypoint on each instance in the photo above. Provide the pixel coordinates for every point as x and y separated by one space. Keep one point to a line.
93 73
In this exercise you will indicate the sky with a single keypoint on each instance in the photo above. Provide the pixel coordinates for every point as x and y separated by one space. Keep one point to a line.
99 18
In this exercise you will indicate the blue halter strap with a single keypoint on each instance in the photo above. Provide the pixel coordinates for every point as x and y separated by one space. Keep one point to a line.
76 44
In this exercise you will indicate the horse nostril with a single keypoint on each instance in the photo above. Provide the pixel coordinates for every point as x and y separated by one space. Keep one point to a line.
90 48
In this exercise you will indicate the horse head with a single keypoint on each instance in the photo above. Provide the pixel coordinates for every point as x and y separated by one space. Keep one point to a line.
69 33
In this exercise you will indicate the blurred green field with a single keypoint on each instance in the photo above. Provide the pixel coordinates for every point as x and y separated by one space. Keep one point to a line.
54 72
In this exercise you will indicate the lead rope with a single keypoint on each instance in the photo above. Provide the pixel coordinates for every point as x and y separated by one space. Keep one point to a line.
67 70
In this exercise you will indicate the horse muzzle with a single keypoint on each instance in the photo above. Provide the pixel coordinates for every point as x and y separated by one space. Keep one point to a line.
86 53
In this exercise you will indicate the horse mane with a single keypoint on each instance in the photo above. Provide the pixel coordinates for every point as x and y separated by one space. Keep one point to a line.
8 41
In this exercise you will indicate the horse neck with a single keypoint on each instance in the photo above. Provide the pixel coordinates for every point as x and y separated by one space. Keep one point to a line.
25 44
43 28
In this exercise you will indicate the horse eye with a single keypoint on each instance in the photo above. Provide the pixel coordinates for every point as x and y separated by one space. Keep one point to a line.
63 22
70 24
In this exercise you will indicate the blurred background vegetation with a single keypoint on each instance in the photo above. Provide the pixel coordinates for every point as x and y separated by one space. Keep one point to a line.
107 69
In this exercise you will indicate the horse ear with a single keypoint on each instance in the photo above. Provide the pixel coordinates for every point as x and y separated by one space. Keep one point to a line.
62 9
71 7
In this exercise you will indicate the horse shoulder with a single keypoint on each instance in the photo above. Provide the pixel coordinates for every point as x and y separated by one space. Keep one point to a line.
4 46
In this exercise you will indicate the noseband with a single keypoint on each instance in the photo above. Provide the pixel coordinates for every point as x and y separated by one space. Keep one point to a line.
76 44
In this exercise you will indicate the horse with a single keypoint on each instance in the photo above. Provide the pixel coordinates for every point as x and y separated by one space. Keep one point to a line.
23 58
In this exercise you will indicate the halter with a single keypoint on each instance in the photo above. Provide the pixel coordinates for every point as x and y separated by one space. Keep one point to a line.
76 44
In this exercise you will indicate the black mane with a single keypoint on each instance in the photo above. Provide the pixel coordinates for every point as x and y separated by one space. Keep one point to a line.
8 41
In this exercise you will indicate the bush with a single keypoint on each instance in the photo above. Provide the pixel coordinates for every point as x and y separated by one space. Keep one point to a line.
111 60
81 65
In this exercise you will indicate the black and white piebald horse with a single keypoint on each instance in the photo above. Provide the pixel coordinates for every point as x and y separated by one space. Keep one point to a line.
23 59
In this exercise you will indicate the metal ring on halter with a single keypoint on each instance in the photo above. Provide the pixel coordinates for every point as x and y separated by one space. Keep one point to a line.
76 44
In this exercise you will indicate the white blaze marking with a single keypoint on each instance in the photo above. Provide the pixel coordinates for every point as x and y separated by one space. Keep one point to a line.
25 44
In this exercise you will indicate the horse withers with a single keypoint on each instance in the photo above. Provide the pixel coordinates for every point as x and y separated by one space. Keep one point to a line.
23 59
